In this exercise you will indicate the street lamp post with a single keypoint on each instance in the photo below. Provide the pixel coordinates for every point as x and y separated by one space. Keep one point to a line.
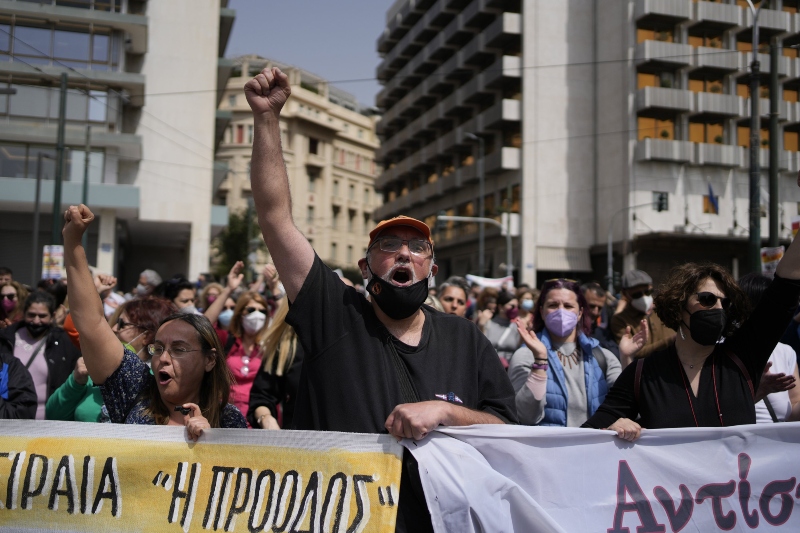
509 254
481 199
35 253
754 245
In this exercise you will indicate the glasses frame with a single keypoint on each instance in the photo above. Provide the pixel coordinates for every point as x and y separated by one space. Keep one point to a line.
726 302
152 347
639 294
249 310
121 324
427 245
10 296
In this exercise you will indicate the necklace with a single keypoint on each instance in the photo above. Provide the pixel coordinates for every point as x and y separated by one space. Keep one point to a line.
568 358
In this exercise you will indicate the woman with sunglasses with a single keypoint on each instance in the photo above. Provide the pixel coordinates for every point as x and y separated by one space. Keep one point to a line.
189 384
701 381
12 294
242 349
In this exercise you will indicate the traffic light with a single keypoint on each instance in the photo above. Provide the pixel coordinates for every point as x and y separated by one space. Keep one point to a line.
617 279
662 202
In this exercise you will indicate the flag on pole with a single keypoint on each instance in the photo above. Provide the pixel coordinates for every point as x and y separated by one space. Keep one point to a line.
711 203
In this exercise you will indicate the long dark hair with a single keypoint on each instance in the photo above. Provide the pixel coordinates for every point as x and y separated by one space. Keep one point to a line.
584 324
215 389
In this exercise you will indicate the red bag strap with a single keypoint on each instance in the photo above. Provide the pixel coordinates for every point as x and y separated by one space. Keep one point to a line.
744 371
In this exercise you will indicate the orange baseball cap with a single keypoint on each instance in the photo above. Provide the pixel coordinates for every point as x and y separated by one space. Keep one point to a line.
401 221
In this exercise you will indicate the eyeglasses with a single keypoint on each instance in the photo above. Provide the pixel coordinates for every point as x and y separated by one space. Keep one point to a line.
561 279
248 310
393 244
709 299
646 292
11 296
176 352
121 324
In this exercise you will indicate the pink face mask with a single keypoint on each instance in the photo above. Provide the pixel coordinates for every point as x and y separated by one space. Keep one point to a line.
561 322
8 305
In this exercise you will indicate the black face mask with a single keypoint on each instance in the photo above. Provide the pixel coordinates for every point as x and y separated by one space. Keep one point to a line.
706 326
397 302
36 329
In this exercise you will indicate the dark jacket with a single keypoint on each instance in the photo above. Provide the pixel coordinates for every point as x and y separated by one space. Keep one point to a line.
17 394
59 352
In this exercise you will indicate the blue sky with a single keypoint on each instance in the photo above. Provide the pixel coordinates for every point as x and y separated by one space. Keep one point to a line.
334 39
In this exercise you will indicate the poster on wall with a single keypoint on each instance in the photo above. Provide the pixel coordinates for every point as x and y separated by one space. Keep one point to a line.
53 262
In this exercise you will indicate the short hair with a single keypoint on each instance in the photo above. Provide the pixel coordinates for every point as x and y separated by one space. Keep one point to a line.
753 285
56 288
147 314
245 298
5 271
526 289
504 297
584 324
40 297
215 389
682 282
151 276
457 282
594 287
171 288
486 294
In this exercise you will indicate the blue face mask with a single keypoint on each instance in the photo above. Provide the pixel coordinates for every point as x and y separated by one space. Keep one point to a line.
225 318
526 305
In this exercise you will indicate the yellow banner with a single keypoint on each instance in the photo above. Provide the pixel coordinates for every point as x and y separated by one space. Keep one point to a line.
64 476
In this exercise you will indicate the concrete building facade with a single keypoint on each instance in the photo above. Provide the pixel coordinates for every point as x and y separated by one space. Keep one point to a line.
152 132
329 144
617 105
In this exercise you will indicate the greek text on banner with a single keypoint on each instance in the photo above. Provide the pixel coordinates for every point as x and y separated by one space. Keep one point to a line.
57 476
506 478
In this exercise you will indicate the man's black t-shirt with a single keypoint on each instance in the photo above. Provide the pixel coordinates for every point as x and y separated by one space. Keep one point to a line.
348 381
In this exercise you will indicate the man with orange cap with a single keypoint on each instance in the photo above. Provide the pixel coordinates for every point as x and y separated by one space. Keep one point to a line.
383 364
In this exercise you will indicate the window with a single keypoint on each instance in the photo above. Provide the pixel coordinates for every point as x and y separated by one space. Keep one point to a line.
312 181
360 133
232 100
744 136
249 134
366 196
349 255
310 214
709 133
790 141
351 217
335 222
711 204
366 225
95 48
313 145
336 188
239 134
333 251
660 201
351 192
651 128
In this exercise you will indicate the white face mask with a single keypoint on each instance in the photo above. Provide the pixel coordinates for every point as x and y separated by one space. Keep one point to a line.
642 304
253 322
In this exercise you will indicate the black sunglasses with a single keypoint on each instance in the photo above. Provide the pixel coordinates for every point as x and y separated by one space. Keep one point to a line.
709 299
639 294
10 296
248 310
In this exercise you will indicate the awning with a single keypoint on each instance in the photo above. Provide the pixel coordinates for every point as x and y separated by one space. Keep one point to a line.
563 259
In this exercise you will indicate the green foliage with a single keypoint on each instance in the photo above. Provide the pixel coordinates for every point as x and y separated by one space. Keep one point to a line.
233 243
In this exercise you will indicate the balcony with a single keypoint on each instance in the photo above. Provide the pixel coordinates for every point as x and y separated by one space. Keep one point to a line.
770 22
764 64
720 155
663 55
716 60
792 112
663 99
720 105
713 15
664 150
663 11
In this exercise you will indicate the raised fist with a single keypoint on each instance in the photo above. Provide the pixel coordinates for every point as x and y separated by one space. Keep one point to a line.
268 91
76 222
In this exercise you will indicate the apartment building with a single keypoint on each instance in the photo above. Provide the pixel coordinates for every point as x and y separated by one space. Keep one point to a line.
618 106
450 73
329 144
146 77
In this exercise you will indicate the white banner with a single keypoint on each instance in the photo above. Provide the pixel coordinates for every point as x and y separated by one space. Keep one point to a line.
514 478
494 283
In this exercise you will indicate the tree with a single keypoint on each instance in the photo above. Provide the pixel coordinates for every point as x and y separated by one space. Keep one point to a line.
235 242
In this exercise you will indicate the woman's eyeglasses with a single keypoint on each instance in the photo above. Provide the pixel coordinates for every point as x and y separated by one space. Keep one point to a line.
248 310
709 299
176 352
639 294
121 324
10 296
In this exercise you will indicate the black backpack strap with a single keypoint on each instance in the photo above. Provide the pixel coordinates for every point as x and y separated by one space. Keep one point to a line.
600 357
771 409
637 383
407 388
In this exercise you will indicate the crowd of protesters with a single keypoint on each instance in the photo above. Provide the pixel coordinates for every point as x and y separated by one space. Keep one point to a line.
304 348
